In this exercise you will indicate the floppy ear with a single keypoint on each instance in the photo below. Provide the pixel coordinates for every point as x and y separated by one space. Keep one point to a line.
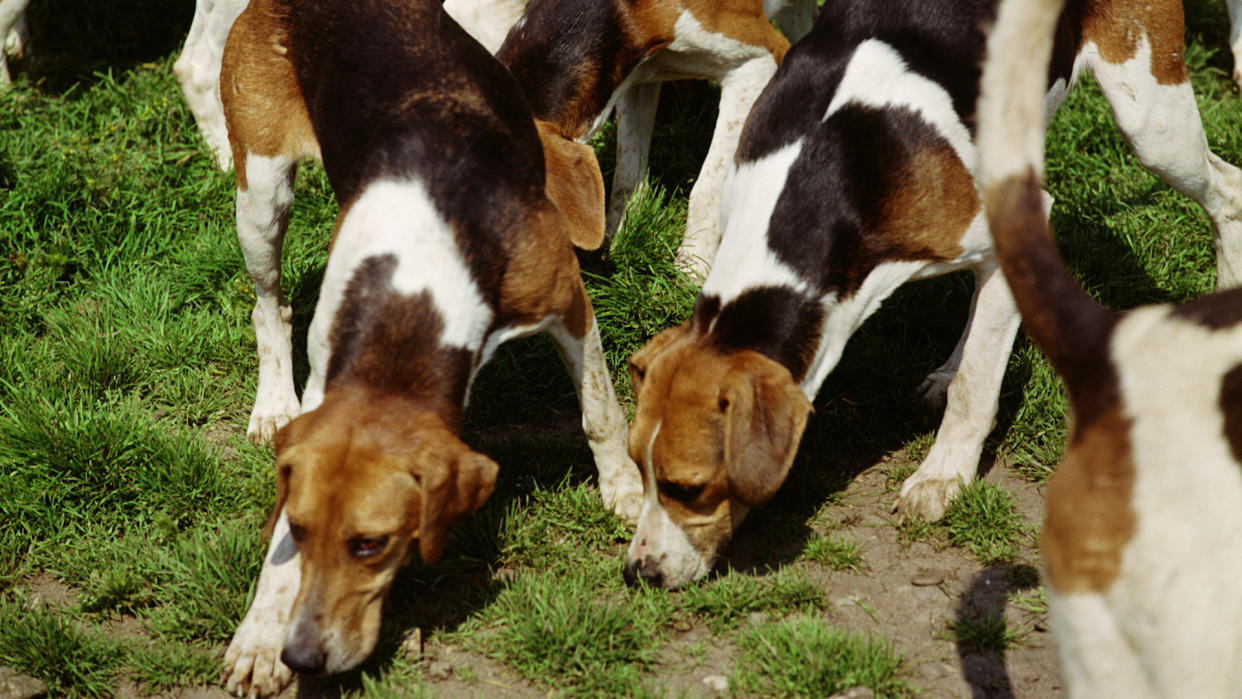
282 491
765 413
574 184
642 359
453 487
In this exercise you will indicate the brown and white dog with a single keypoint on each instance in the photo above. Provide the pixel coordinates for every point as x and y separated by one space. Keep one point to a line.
854 174
576 59
454 235
489 21
1144 515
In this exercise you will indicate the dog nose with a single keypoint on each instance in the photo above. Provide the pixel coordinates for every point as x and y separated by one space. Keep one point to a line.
306 659
644 568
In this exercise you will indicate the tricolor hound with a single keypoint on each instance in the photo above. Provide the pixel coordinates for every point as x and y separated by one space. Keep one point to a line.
489 21
457 213
854 174
1144 515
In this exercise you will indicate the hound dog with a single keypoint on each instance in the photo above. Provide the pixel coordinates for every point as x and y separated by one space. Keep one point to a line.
454 235
854 175
489 21
576 59
1144 514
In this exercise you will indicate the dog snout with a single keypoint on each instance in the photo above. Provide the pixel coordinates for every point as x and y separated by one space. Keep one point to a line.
306 658
646 569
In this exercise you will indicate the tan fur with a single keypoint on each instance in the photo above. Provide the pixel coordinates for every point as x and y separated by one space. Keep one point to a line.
574 184
1116 26
263 104
924 218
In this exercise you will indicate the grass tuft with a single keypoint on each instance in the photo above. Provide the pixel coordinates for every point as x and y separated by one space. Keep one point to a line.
983 520
805 658
835 552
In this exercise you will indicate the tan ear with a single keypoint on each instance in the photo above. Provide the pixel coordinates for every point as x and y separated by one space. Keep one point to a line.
574 184
286 447
453 487
765 413
282 492
642 359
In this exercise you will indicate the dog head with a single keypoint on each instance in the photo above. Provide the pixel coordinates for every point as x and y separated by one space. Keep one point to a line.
714 435
361 482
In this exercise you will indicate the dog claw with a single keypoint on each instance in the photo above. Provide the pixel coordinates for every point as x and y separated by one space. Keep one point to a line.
926 498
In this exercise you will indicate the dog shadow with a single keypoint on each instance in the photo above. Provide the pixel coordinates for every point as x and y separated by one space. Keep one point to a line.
981 628
82 41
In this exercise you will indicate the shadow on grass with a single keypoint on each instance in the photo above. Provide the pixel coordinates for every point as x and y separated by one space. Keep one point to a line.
71 41
981 651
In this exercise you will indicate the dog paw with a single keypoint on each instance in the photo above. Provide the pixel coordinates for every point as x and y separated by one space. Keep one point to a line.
252 665
934 390
268 417
623 494
926 497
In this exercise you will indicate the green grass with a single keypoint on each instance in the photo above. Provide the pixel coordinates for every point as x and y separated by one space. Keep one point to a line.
805 658
127 372
984 632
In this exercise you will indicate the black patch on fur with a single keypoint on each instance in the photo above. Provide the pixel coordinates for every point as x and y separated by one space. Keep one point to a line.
391 341
775 321
569 56
397 90
1214 312
1231 407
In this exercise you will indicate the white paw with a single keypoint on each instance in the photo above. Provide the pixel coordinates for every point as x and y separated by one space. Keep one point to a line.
252 666
927 497
269 415
623 494
934 390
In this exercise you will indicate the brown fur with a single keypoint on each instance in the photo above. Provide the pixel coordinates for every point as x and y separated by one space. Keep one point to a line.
262 102
923 218
1116 26
575 185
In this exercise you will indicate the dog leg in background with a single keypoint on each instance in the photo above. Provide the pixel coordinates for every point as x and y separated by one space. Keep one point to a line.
262 219
1159 119
636 113
488 21
12 30
972 401
739 89
198 71
1235 38
252 662
602 419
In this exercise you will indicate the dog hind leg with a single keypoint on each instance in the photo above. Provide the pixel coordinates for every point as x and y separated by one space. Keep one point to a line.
636 113
1161 122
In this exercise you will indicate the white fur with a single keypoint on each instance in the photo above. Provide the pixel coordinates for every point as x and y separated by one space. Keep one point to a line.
661 542
488 21
878 77
262 219
1161 124
253 656
1235 37
12 13
198 71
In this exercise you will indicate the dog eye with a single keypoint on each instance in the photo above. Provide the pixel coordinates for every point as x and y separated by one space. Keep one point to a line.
297 532
367 547
683 493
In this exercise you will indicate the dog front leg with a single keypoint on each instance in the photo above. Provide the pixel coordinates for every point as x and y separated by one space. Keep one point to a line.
973 397
262 219
1096 660
636 113
198 71
252 665
602 419
12 16
738 92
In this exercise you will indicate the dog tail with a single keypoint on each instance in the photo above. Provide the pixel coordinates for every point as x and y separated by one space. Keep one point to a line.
1067 324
